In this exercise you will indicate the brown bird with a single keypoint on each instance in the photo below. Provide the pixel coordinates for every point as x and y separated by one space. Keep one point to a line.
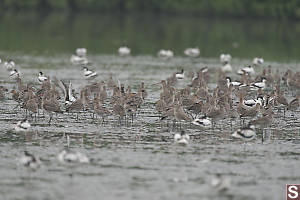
100 110
2 92
78 104
32 105
179 114
51 106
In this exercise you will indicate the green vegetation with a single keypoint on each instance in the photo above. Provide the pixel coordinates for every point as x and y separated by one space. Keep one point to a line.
289 9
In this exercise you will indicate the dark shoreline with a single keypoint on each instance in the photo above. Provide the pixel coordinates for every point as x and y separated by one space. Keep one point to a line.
234 9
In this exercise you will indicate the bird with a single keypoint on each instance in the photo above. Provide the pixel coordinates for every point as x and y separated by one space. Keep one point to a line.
246 133
80 57
192 52
9 65
248 70
226 68
22 126
252 102
51 105
14 74
67 91
68 156
89 74
258 85
220 183
42 78
167 54
234 83
81 52
29 160
3 90
258 61
180 75
124 51
203 122
225 58
180 114
181 138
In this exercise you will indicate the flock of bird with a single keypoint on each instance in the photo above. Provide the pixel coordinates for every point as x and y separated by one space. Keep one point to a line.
253 97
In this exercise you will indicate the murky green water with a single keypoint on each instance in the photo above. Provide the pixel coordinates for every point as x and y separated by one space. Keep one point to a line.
138 160
57 33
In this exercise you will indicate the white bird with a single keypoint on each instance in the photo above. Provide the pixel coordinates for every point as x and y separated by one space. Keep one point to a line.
81 52
234 83
22 126
203 122
226 68
192 52
253 102
124 51
80 57
14 74
180 75
181 138
67 91
10 64
77 60
248 70
89 74
42 78
258 61
70 92
247 133
259 85
220 183
68 156
29 160
225 58
167 54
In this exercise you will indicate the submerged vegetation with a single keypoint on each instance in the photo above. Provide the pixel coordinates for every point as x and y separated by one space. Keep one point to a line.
233 8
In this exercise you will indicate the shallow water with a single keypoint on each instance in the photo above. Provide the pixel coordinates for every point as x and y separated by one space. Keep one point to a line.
138 160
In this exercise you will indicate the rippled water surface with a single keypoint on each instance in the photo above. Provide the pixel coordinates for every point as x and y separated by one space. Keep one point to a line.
138 160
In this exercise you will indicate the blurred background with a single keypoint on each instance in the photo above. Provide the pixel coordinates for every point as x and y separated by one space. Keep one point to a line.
244 29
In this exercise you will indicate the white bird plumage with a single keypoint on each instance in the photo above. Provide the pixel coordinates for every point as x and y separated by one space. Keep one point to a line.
80 57
192 52
253 102
248 70
81 52
89 74
203 122
180 75
42 78
9 65
259 85
68 156
234 83
226 68
124 51
14 74
29 160
22 126
247 133
181 138
225 58
258 61
165 54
